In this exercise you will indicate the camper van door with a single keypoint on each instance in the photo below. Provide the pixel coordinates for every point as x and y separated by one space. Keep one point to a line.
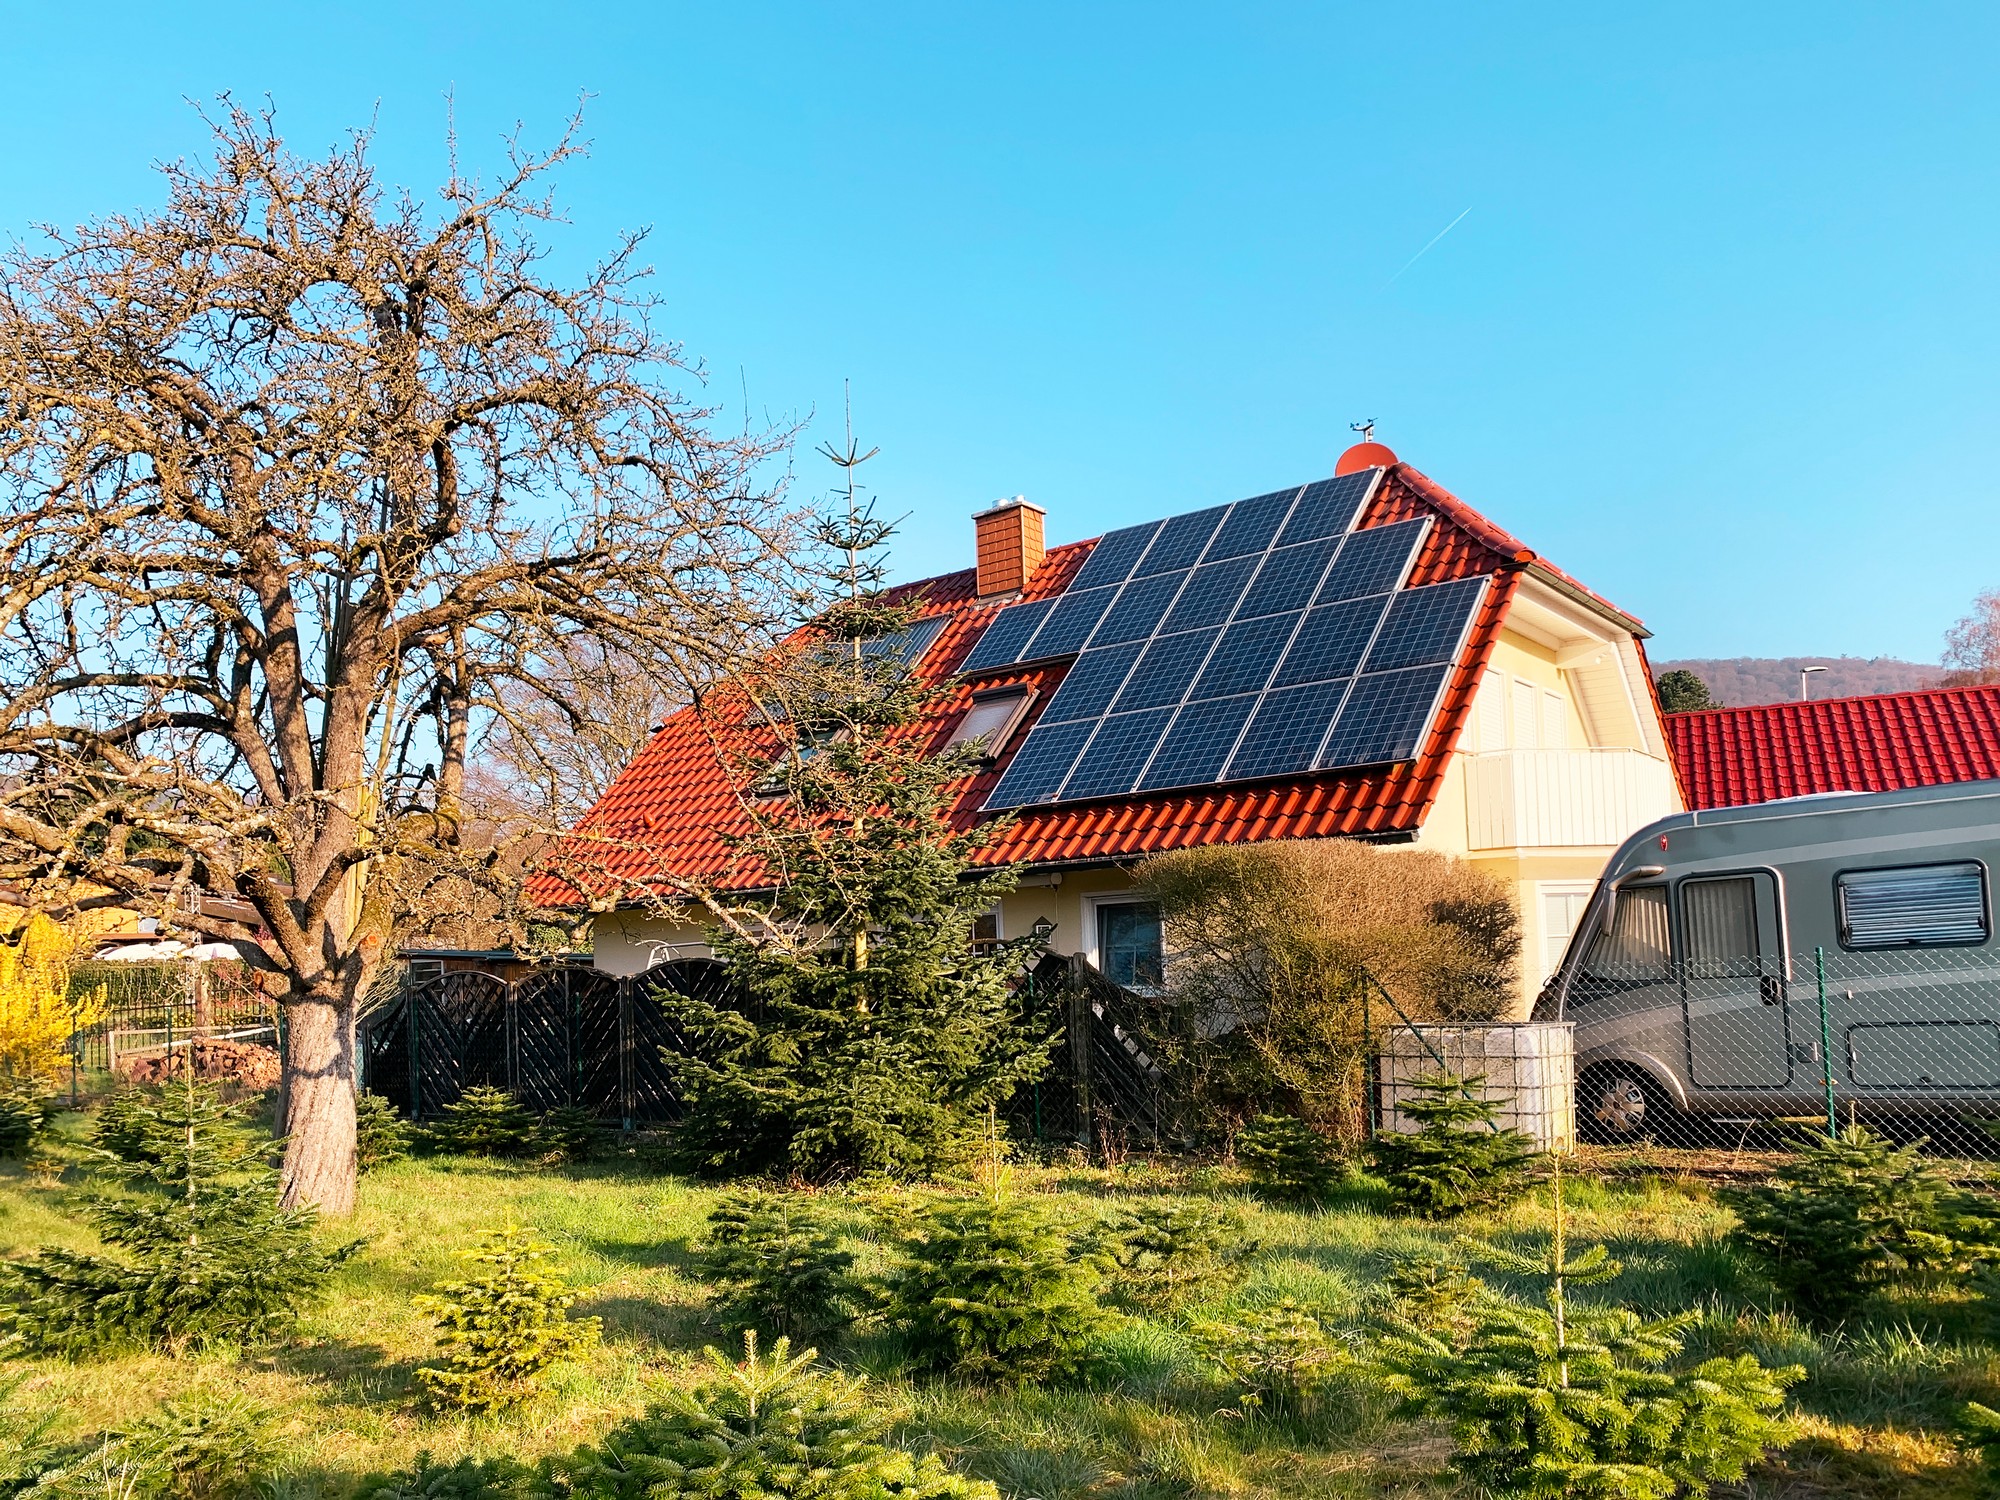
1733 981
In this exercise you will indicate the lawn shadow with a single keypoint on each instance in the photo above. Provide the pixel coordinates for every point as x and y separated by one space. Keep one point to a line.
353 1371
684 1327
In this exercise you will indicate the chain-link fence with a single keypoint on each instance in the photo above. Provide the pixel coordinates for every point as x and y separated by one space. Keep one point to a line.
1706 1048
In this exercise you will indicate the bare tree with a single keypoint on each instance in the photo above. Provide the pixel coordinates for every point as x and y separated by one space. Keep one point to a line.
296 474
1972 646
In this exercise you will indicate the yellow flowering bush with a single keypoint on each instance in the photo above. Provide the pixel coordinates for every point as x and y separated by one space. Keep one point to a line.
37 1013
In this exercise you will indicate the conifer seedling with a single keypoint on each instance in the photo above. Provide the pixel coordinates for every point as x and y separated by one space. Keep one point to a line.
1288 1159
777 1265
1457 1159
503 1329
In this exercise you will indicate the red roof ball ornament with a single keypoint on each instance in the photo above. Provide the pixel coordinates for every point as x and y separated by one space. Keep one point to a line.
1366 454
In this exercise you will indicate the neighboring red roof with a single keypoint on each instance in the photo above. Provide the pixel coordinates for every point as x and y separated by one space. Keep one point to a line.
1727 757
676 806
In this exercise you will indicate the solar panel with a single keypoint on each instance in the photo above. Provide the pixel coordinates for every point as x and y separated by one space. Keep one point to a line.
1164 672
1042 764
1211 594
1007 637
1112 559
1329 507
1424 626
906 646
1070 623
1283 736
1091 684
1181 542
1260 639
1123 745
1251 525
1385 717
1332 641
1374 561
1196 745
1243 659
1288 578
1138 612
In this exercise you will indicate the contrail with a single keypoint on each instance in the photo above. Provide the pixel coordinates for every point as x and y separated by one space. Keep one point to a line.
1426 250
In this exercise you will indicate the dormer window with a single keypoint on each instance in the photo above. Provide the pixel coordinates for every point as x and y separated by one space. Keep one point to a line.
991 720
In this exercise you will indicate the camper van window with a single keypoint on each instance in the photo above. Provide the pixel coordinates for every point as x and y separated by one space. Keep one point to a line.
1635 949
1916 906
1720 917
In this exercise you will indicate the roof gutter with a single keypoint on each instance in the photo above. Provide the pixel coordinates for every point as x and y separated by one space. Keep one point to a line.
1526 561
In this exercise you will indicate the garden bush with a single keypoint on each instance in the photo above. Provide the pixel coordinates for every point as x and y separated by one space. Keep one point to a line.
772 1427
204 1252
1847 1215
503 1329
484 1122
1288 1159
777 1265
24 1111
567 1133
991 1288
1162 1253
380 1133
1456 1159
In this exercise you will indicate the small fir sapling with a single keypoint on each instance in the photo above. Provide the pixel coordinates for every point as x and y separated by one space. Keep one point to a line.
198 1448
24 1111
503 1329
1280 1358
1559 1401
380 1134
1435 1294
769 1427
501 1478
1457 1159
200 1250
1163 1253
484 1122
1288 1159
129 1126
1849 1214
1979 1434
777 1265
567 1133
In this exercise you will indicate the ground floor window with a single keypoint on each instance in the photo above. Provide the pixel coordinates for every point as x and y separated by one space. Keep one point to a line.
986 931
1128 944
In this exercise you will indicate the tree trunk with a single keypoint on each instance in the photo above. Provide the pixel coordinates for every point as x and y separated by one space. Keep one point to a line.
319 1117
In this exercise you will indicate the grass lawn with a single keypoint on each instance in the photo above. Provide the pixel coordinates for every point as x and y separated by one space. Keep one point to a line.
1874 1414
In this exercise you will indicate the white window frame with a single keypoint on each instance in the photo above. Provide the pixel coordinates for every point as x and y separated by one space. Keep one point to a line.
998 739
1089 951
1543 890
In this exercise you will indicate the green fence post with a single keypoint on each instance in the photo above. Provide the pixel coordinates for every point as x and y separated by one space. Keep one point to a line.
1825 1044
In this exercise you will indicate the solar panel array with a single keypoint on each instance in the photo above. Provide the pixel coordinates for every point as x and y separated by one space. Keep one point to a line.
1265 638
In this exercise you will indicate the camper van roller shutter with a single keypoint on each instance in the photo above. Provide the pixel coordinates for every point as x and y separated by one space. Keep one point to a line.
1917 906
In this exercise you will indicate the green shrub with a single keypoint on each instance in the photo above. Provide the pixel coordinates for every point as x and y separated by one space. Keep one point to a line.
199 1448
23 1113
773 1428
1846 1215
777 1266
1162 1253
991 1288
380 1133
484 1122
204 1252
464 1479
1435 1294
1287 1158
1552 1402
1279 1357
1979 1434
567 1133
502 1330
1456 1159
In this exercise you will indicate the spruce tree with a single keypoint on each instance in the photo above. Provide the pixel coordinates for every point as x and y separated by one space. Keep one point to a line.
380 1134
484 1121
1456 1159
1287 1158
777 1266
202 1252
1846 1215
864 1034
1560 1401
503 1329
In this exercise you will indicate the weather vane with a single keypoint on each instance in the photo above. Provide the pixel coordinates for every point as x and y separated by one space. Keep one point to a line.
1366 429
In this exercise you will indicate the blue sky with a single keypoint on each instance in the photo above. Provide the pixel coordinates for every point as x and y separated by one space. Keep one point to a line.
1717 333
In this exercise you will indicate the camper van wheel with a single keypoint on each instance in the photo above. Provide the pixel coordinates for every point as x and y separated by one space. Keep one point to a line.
1616 1103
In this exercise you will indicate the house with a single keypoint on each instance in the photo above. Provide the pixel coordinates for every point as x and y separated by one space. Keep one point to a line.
1879 742
1363 657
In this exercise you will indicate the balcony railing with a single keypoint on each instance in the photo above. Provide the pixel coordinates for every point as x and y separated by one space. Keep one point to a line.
1540 799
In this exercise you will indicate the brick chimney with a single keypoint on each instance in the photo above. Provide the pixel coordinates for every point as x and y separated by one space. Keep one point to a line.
1010 546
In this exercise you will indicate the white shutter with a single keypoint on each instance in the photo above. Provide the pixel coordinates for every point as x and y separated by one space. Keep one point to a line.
1555 722
1527 715
1492 709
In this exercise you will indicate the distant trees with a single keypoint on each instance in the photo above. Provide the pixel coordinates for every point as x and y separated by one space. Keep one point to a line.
300 476
1682 692
1972 646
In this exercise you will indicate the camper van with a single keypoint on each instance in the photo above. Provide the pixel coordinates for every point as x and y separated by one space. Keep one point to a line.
1833 952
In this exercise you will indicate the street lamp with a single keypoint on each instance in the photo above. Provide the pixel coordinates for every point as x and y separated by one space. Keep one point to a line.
1805 679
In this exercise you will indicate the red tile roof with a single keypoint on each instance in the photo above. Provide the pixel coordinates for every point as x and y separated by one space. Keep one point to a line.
676 806
1727 757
